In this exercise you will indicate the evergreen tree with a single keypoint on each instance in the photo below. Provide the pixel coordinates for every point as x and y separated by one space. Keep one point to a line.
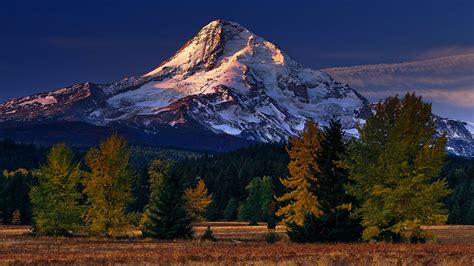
332 176
108 187
55 200
267 198
197 199
231 210
395 170
335 225
260 195
167 216
157 170
251 209
301 201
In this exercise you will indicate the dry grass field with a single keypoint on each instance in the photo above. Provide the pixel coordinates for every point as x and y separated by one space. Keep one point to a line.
238 244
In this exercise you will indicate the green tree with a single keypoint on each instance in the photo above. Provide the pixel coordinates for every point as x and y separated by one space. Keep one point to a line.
231 210
55 200
395 170
301 201
167 216
157 171
108 187
267 198
260 195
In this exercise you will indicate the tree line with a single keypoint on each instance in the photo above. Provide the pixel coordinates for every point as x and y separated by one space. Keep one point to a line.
382 186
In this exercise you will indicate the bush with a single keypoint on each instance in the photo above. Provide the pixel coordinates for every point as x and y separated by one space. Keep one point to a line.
271 223
272 237
208 235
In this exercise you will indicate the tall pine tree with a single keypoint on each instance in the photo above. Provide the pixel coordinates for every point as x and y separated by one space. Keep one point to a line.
108 187
55 200
301 201
395 170
167 216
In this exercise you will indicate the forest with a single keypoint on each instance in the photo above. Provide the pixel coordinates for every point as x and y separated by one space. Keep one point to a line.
259 183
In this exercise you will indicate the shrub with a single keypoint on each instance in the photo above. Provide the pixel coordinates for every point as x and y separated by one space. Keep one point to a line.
271 223
208 235
272 237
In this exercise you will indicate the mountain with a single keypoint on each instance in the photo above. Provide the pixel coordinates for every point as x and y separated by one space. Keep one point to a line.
460 135
225 88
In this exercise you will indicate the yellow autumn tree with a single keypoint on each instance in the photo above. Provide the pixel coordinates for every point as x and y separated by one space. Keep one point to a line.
197 200
108 187
301 201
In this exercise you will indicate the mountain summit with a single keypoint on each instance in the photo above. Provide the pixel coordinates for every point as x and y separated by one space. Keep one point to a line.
217 40
226 87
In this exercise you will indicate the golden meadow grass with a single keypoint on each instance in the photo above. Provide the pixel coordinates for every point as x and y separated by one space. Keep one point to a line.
238 244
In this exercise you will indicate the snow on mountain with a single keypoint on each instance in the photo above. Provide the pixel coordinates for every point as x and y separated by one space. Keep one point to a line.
225 81
469 126
252 88
460 140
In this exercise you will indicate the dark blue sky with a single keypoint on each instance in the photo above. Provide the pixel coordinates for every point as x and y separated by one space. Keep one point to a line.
50 44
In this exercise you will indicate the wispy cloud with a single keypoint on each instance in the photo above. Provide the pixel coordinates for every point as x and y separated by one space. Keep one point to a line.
448 79
463 98
450 73
445 52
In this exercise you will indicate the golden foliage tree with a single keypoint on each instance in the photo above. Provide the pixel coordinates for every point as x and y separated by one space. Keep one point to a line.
108 187
197 200
301 200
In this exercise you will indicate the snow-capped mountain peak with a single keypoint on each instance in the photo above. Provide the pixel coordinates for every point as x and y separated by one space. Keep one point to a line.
227 61
225 81
214 42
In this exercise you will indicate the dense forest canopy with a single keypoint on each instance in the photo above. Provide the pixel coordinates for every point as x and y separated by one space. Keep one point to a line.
226 176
